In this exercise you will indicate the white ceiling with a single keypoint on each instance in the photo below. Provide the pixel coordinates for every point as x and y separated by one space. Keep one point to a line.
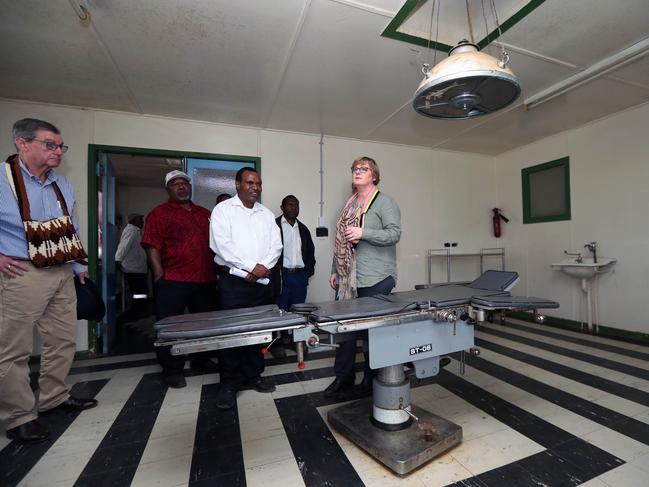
317 66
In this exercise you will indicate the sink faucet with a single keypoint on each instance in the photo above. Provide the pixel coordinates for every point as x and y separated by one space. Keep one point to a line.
578 259
592 246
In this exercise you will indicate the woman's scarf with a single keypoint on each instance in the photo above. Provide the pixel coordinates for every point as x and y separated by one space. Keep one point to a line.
344 252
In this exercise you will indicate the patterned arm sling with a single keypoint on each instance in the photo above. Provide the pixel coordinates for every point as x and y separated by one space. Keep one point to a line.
50 242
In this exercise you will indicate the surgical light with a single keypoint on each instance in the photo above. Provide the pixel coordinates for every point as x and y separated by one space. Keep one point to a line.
467 84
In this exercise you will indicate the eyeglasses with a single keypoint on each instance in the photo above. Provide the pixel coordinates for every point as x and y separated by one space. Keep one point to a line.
360 169
51 146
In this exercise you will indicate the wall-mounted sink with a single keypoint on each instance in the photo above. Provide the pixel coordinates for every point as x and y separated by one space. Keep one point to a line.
584 268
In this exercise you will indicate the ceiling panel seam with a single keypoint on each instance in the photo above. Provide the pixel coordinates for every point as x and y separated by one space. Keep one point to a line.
366 8
285 64
565 64
535 55
407 103
590 73
493 116
627 82
104 47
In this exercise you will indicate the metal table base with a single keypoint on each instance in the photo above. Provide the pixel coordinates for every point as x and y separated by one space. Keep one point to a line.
401 451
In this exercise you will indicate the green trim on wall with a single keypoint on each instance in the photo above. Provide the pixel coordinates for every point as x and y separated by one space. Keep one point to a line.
525 181
93 152
604 331
392 30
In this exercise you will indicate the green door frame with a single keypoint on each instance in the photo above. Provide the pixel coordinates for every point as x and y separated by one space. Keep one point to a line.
93 152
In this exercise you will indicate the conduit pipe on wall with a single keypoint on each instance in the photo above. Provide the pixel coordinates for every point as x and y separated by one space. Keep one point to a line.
321 230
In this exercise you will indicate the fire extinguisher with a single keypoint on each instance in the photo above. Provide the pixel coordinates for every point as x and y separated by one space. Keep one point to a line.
496 221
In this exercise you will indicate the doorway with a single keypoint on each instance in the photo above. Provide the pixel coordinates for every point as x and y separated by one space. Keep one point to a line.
127 181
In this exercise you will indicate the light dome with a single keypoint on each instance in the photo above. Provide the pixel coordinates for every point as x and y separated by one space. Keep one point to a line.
467 84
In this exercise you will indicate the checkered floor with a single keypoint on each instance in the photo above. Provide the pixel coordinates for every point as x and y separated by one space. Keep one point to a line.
539 406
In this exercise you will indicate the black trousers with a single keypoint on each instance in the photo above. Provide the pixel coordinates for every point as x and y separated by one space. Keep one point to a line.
172 298
346 352
243 364
137 282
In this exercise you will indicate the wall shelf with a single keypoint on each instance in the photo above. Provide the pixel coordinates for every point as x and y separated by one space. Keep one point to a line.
446 253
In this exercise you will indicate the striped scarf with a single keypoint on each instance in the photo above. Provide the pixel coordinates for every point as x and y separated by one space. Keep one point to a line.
344 252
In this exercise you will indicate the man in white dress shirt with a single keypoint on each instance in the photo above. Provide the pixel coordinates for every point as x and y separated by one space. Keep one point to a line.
132 260
246 242
296 264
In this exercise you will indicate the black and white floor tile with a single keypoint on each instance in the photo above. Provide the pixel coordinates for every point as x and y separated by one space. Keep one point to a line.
539 407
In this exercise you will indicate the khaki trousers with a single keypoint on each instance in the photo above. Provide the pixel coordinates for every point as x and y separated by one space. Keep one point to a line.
46 299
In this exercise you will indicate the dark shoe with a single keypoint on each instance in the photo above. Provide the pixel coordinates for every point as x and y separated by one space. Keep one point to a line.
338 387
260 385
226 398
31 431
444 361
176 381
203 365
78 403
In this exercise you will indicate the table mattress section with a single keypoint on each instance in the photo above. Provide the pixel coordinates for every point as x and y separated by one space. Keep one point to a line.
441 296
514 302
360 308
226 322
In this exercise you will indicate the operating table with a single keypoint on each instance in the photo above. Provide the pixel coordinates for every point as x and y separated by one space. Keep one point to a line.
412 327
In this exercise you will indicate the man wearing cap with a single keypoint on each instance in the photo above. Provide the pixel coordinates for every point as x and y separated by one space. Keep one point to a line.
176 241
247 244
132 259
36 289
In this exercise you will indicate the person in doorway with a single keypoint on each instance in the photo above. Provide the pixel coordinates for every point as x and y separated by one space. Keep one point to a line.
131 258
247 244
365 259
222 197
35 291
176 241
297 262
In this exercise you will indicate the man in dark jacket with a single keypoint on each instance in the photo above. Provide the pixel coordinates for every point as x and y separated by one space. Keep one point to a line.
297 262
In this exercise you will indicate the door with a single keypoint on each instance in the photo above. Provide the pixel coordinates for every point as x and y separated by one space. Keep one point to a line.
107 332
212 177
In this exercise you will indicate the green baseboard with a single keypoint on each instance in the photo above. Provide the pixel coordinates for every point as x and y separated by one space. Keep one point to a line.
604 331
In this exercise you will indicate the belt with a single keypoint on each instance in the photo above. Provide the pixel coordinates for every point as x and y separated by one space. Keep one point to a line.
292 270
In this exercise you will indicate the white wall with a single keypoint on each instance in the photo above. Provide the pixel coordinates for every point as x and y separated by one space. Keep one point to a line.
609 174
444 196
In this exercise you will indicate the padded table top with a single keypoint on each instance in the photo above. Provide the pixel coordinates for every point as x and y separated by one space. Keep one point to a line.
441 296
514 302
216 315
226 322
359 308
495 280
490 280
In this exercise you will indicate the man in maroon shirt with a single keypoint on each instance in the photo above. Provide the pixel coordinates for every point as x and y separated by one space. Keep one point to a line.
176 241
